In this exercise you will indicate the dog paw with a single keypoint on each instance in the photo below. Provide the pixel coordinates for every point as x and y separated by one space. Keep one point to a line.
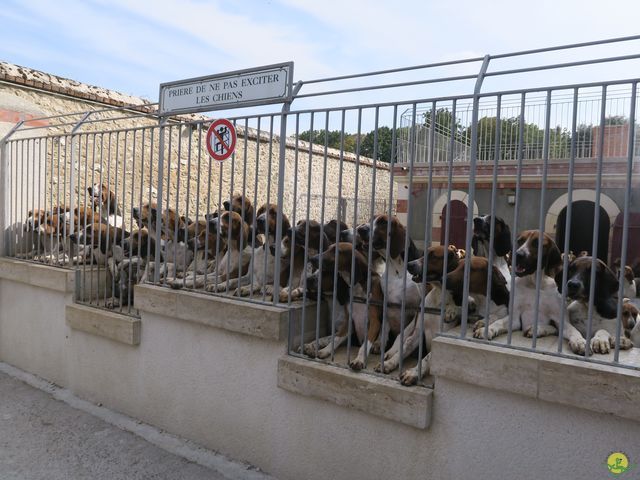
471 306
451 314
409 377
578 346
309 350
388 367
600 345
324 353
528 332
478 332
112 304
375 347
357 364
283 297
625 343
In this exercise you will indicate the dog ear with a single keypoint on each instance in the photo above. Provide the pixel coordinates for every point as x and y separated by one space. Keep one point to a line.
499 290
398 233
502 239
552 259
414 252
452 258
474 245
314 261
607 280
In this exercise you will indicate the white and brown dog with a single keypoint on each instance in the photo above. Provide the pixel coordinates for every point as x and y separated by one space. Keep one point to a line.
397 282
531 245
231 228
306 240
605 303
260 274
478 283
104 201
366 319
436 257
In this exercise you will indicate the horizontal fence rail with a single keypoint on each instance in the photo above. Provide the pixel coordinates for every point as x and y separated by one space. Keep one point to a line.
506 217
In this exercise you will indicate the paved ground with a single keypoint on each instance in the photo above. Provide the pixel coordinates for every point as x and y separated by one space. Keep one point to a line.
45 439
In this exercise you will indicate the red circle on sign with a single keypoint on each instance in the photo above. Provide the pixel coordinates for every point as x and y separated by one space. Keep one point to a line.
221 139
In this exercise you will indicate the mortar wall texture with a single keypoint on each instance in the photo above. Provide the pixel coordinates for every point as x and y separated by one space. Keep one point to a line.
47 164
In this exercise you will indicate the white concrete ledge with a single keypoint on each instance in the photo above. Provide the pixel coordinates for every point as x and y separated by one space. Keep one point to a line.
576 383
368 393
115 326
37 275
264 321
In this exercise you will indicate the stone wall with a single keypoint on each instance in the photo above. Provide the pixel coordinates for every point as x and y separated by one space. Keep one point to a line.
121 148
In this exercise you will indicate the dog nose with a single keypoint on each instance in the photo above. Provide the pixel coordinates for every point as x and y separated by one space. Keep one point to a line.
573 286
413 267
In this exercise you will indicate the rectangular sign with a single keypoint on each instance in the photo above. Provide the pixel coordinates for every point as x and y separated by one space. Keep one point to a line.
242 88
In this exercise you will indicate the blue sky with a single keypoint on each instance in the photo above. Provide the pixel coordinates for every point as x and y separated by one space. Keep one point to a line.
133 46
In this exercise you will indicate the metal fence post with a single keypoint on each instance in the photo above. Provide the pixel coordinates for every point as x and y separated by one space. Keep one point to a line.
281 171
472 188
74 157
5 187
158 232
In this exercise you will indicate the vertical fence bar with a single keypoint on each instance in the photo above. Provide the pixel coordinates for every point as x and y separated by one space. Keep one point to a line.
472 189
516 210
567 228
543 198
281 172
494 191
625 223
596 219
5 184
158 232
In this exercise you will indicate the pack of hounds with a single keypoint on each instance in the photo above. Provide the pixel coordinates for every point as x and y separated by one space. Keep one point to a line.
375 270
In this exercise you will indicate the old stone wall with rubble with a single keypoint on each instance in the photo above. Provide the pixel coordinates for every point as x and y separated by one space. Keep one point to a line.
120 147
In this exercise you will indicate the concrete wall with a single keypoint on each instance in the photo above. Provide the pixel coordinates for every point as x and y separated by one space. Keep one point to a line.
219 388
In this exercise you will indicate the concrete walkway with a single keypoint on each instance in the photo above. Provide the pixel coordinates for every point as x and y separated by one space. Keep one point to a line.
42 438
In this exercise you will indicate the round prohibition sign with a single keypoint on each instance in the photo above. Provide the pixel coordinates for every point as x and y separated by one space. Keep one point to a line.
221 139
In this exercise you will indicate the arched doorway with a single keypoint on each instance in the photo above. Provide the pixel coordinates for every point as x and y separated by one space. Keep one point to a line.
581 229
457 224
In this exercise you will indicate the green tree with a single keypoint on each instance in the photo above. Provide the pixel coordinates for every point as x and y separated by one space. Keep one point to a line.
332 138
385 138
444 121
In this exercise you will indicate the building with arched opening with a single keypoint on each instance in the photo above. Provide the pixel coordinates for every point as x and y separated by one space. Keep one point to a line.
446 168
